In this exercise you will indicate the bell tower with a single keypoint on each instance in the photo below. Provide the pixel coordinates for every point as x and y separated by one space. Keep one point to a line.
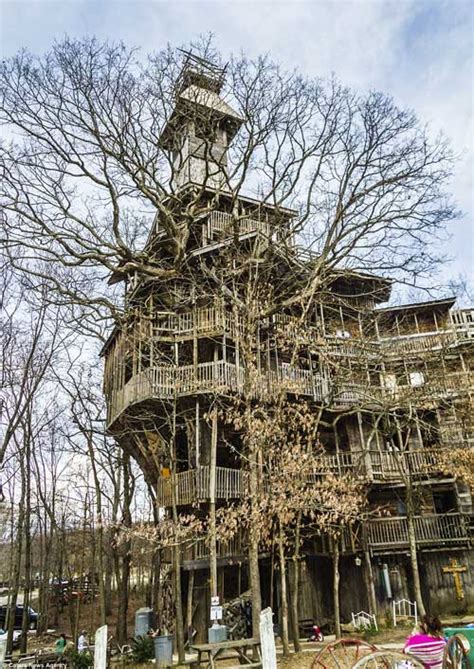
200 128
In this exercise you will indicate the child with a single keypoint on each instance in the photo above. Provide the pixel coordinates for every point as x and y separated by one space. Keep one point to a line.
316 634
60 645
428 644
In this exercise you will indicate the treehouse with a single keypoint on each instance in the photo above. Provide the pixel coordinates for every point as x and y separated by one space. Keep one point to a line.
392 385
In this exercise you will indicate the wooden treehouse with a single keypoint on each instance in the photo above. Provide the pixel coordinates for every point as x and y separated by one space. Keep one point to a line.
182 349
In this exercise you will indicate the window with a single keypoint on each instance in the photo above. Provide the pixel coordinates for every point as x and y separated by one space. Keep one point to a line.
343 334
416 379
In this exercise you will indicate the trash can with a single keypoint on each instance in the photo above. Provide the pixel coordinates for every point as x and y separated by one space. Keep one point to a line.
468 633
144 620
217 633
163 651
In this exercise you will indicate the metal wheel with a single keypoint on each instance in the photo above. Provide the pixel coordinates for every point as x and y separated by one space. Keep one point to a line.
342 654
388 659
456 653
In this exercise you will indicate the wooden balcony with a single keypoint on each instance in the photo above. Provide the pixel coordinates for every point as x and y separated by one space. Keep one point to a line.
203 321
394 465
194 486
222 225
430 530
463 323
441 384
414 344
167 382
196 555
382 466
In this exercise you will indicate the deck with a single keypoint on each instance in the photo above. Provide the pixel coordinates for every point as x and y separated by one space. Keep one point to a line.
193 485
378 535
431 530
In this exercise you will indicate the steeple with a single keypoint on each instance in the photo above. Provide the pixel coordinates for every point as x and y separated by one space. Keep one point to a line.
201 126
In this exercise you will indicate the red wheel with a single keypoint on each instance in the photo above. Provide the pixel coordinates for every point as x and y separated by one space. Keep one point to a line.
388 659
342 654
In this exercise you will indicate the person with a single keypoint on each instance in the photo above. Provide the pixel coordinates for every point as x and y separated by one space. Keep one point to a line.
316 634
427 644
82 644
60 645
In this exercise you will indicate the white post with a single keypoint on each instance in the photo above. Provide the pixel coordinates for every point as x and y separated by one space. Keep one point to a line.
394 614
3 652
415 608
100 648
267 640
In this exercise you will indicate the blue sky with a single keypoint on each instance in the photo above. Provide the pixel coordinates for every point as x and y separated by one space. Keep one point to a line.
421 52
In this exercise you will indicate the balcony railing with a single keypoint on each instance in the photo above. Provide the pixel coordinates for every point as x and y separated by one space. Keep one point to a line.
234 548
463 323
222 225
382 465
439 384
165 382
430 529
416 343
396 465
200 321
379 535
194 486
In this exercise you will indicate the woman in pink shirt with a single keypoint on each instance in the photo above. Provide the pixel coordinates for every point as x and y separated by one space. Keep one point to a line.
428 644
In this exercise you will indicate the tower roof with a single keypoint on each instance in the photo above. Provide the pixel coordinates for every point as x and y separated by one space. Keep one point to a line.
197 94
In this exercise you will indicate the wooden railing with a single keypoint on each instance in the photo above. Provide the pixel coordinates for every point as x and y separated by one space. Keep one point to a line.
450 528
223 224
396 464
203 320
339 463
194 485
416 343
234 547
381 465
443 383
168 381
463 323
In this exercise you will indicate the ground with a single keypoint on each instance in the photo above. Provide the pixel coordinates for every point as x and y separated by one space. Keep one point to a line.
89 620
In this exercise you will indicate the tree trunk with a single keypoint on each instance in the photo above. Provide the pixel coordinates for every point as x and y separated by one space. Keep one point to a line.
179 629
413 551
296 584
335 590
284 594
189 606
369 583
15 579
212 509
27 527
254 570
123 585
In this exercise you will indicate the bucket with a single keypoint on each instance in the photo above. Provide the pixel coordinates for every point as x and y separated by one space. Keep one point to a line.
163 651
144 620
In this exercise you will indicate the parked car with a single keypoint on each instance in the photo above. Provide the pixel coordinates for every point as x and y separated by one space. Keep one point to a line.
32 617
16 637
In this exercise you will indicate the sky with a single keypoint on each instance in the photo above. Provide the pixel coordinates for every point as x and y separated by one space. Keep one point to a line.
418 51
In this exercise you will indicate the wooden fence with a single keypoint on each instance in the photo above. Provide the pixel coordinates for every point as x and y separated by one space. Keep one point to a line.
450 528
223 224
194 485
